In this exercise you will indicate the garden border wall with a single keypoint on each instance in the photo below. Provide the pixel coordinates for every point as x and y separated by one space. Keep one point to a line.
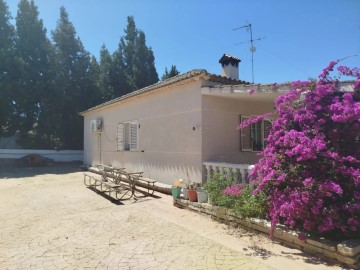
346 252
56 155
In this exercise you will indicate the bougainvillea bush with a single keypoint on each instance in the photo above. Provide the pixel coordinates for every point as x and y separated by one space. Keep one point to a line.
310 168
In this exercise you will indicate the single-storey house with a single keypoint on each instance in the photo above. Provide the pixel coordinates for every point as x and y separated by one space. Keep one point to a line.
181 127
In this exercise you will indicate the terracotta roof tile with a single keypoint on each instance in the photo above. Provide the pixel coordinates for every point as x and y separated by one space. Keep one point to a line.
190 74
227 57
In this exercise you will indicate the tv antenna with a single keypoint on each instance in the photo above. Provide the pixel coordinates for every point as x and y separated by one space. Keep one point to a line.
252 48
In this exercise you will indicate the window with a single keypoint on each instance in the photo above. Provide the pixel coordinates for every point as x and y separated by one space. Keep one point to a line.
252 137
127 136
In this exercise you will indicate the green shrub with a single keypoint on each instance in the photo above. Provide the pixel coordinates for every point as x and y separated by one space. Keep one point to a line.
249 205
215 188
223 192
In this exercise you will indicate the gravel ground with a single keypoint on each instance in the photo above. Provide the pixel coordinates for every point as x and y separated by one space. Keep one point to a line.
50 220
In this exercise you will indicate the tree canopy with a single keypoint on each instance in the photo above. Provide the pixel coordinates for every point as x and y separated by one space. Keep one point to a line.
168 74
133 62
7 69
33 50
45 81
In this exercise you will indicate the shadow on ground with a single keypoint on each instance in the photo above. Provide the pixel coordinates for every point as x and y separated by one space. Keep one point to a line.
256 248
141 196
13 171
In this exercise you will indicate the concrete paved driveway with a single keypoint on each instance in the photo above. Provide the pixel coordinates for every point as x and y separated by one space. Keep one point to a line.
50 220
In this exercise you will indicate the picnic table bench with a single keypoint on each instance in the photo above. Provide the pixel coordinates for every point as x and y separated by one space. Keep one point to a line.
120 190
149 184
119 181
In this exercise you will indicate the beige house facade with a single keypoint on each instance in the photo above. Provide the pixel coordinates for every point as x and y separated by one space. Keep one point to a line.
175 128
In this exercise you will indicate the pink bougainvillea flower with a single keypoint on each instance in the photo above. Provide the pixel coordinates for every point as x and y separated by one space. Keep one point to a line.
302 237
235 190
251 91
253 120
310 167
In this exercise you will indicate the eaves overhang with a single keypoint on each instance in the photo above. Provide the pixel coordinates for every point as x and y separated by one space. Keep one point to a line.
188 77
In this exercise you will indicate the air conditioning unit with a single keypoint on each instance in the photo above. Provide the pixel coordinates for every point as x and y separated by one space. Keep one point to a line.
96 125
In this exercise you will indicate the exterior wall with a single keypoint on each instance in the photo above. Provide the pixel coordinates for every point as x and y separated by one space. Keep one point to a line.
230 71
220 137
168 147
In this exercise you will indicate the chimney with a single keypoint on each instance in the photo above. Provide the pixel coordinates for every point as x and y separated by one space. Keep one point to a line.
229 66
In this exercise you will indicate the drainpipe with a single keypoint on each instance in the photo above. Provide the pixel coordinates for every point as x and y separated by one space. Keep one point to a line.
99 143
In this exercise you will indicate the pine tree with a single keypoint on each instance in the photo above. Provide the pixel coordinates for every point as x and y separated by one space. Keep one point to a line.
93 91
104 79
168 74
7 70
73 79
144 71
133 65
33 49
47 134
128 45
152 75
119 80
139 65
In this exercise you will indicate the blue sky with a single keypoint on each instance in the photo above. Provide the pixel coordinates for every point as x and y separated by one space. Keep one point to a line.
301 37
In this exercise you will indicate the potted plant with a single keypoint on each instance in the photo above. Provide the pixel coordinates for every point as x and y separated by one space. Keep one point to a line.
192 192
215 187
186 187
202 195
185 190
176 189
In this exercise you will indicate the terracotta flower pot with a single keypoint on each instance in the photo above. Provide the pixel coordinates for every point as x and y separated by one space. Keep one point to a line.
192 195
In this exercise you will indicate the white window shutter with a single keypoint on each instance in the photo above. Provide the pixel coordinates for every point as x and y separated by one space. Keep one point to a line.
267 128
133 136
120 145
245 136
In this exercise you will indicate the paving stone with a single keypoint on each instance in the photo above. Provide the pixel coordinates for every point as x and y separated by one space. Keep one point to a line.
63 225
54 222
356 265
322 243
330 254
244 222
260 228
349 247
289 236
347 260
307 247
219 212
291 245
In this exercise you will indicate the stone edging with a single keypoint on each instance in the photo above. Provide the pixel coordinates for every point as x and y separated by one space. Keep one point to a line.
346 252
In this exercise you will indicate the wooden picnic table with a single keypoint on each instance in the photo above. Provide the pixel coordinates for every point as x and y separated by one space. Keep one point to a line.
114 179
119 174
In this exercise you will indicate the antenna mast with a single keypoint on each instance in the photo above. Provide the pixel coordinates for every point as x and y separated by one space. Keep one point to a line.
252 48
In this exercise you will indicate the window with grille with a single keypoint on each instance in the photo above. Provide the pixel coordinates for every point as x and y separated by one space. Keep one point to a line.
252 138
127 136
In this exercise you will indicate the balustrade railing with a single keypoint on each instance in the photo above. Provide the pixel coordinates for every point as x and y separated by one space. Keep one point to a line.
238 173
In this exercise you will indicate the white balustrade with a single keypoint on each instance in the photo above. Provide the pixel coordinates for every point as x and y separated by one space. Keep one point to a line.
238 172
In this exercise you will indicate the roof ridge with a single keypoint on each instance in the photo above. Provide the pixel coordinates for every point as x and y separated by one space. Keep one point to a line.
154 86
172 80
